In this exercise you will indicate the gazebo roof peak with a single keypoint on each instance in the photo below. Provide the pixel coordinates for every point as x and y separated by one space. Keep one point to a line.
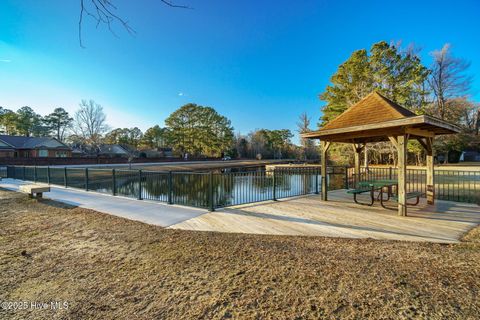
373 108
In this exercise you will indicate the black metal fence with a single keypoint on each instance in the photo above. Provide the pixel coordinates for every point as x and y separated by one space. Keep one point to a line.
197 189
215 189
452 185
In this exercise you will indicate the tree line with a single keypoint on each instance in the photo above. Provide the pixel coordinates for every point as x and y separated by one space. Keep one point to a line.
192 129
441 89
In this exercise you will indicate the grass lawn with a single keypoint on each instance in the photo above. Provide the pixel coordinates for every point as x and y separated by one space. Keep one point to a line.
111 268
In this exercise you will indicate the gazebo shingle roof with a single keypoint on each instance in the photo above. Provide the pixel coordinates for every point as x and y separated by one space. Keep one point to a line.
373 108
376 118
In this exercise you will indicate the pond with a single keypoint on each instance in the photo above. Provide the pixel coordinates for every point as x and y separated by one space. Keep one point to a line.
225 187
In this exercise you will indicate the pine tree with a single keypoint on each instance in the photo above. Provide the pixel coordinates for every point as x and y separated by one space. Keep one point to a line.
398 74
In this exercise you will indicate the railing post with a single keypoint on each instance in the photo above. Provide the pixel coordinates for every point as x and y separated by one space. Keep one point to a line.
114 183
48 174
274 191
346 177
35 174
65 177
86 179
139 184
170 188
211 205
316 181
390 173
24 169
14 174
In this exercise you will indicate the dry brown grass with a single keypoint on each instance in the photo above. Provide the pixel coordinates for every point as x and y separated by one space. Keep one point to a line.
111 268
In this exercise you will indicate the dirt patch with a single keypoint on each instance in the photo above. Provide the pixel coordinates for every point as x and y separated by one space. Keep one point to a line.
106 267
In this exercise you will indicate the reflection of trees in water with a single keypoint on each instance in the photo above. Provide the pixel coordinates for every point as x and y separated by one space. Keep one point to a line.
238 188
190 188
241 187
155 186
126 183
76 178
100 180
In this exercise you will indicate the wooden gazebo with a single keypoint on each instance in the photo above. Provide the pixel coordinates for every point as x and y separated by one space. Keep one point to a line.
376 118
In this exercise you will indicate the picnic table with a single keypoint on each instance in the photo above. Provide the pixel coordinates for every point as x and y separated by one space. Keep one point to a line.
371 186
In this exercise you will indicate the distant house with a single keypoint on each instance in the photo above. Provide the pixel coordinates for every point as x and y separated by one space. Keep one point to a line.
33 147
113 151
157 153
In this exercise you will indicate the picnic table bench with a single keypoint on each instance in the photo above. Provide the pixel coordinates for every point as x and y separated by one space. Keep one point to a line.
408 195
363 189
34 190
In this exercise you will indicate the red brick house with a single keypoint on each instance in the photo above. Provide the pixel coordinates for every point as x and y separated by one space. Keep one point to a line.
32 147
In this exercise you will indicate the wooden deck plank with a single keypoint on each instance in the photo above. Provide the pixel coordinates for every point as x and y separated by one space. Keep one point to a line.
445 221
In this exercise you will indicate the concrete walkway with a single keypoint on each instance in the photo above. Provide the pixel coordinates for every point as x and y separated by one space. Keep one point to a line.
141 210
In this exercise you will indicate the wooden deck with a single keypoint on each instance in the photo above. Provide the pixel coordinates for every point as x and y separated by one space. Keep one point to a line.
446 221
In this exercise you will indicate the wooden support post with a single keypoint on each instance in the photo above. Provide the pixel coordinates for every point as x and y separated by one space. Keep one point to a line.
357 149
365 157
430 172
427 144
402 174
357 167
324 146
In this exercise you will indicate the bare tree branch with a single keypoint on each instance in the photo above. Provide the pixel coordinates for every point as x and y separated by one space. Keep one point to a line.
448 77
170 4
102 12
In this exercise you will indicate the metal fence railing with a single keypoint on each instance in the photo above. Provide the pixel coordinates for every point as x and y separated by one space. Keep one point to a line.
452 185
197 189
215 190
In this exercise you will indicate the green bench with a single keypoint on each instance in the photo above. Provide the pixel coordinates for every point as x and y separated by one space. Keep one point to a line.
408 195
356 192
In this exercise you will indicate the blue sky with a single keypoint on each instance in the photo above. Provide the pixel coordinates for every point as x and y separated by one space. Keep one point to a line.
260 63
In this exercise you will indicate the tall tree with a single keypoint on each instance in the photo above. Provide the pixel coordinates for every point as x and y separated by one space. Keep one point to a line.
125 136
199 130
3 111
28 122
8 122
58 121
277 141
350 84
396 73
154 137
308 145
89 123
448 78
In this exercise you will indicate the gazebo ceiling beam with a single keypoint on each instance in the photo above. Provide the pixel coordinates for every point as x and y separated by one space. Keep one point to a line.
363 137
426 143
420 132
358 147
393 140
324 149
